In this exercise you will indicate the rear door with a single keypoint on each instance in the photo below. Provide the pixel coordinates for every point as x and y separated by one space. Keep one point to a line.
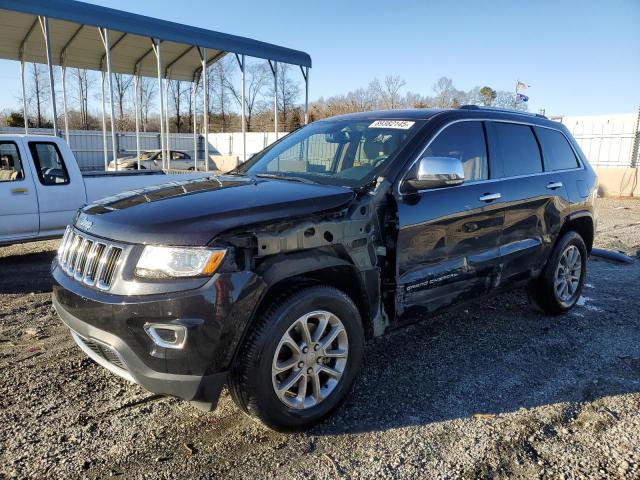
532 201
59 184
448 238
18 198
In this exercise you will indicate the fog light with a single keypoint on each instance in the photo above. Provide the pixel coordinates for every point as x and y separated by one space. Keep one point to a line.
166 335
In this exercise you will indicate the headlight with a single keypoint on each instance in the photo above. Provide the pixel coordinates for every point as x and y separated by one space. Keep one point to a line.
171 262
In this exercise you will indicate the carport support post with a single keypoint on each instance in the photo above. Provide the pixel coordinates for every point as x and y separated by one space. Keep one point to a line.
205 101
274 69
104 123
167 82
24 97
241 62
63 75
44 24
194 93
305 73
156 49
104 33
136 99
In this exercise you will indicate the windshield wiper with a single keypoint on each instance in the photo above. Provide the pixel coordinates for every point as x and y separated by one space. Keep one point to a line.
278 176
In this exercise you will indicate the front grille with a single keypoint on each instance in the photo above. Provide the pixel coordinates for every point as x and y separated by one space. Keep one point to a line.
90 261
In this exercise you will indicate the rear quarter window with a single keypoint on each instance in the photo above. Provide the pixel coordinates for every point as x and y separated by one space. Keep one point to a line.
556 151
518 149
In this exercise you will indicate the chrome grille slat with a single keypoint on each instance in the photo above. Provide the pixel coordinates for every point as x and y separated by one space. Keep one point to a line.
89 260
73 252
82 258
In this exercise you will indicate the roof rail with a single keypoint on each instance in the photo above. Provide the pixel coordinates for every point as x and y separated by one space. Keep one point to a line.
504 110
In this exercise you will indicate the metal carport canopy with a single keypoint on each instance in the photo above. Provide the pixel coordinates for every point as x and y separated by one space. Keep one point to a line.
76 44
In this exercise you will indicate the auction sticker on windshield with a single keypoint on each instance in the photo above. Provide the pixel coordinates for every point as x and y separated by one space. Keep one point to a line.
400 124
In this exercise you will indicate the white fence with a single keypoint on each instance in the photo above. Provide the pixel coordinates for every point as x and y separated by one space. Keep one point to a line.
231 143
88 148
607 140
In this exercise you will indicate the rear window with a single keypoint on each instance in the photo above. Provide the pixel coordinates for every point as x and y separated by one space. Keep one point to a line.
557 153
10 165
518 149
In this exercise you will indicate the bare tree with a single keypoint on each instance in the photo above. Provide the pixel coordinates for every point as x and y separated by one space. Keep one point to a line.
218 80
38 92
288 92
148 88
447 96
122 84
83 82
177 93
506 99
389 90
256 78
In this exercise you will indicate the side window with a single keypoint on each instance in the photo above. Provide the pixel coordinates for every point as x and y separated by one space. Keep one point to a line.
464 141
518 149
10 164
178 156
557 153
49 164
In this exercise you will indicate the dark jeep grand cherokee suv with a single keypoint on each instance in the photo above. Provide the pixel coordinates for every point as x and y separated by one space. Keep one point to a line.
270 278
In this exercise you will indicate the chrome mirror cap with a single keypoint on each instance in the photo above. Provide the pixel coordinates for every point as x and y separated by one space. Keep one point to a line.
437 172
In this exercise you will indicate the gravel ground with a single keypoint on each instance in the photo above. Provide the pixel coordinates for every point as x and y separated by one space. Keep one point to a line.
494 391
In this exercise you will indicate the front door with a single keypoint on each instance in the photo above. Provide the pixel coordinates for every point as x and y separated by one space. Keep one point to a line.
18 198
60 186
448 238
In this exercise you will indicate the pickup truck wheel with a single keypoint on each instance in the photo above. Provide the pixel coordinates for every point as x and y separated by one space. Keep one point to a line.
300 360
558 288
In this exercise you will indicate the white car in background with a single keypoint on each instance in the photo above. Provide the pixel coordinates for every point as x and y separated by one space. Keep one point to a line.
152 160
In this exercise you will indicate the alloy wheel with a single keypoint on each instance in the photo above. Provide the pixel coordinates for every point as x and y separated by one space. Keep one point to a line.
310 359
568 273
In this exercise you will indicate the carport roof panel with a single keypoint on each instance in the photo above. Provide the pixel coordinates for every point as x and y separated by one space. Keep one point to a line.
129 36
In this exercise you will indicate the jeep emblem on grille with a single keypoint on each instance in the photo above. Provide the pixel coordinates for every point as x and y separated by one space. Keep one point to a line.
84 223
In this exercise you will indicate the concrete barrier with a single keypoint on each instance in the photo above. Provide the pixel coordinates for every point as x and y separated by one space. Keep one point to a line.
618 181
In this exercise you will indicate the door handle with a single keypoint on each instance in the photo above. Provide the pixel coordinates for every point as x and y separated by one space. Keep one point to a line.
490 197
554 185
19 190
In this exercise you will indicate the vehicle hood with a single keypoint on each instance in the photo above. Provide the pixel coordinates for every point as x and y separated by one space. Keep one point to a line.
193 212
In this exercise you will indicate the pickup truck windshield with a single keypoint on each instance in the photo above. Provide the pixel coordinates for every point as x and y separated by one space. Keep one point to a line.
334 152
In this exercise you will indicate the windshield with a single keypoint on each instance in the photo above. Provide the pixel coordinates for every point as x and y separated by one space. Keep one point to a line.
147 155
335 152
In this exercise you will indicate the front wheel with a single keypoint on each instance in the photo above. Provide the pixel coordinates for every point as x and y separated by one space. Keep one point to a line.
558 288
300 360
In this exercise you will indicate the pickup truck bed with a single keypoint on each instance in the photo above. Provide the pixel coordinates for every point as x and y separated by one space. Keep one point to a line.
41 186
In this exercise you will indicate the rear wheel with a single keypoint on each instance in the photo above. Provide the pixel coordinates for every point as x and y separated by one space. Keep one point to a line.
558 288
300 360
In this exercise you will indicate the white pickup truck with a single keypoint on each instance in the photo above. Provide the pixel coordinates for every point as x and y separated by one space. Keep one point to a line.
41 186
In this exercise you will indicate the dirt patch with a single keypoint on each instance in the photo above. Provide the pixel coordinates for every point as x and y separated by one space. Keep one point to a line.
494 391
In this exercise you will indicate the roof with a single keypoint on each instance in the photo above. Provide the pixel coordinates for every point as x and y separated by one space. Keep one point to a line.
76 40
465 111
397 114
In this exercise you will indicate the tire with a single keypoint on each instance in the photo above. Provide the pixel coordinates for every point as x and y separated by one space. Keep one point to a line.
253 379
545 290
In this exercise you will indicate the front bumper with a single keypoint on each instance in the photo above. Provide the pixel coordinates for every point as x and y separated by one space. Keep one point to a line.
110 329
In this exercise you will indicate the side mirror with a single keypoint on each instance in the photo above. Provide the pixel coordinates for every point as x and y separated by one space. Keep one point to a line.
437 172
